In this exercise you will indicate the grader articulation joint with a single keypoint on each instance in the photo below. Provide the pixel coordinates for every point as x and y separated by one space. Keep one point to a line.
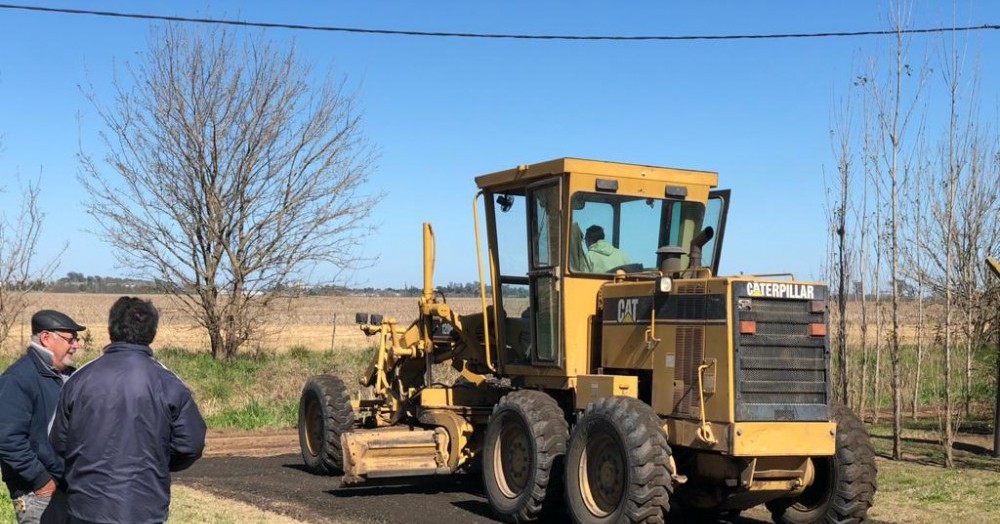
683 389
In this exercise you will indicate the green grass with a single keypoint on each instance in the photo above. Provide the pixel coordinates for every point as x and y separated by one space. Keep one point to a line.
6 508
920 443
931 386
912 492
186 505
258 391
251 391
255 414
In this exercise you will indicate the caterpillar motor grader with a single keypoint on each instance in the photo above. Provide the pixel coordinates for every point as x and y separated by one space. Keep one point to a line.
617 394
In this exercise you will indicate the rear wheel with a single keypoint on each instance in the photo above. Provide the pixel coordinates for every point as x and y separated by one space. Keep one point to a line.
522 455
844 484
618 464
325 413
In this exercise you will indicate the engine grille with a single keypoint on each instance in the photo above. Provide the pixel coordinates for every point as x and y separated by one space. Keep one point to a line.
782 373
689 345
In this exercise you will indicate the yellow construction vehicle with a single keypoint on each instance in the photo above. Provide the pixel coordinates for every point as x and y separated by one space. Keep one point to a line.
610 372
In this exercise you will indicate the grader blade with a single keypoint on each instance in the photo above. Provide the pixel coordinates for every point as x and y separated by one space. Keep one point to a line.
394 452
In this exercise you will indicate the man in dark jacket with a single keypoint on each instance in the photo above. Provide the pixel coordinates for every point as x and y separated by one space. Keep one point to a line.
29 390
123 423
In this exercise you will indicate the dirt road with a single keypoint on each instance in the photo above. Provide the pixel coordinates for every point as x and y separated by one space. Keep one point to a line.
279 484
265 470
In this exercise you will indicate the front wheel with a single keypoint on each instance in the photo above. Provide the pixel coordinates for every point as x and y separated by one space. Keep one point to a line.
618 464
522 455
325 414
844 484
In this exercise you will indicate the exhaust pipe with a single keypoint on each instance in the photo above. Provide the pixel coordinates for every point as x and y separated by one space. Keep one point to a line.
697 243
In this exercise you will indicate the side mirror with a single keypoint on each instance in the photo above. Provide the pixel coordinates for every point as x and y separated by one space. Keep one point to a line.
506 202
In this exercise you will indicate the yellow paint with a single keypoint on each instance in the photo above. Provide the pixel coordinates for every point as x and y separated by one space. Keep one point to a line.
763 439
594 387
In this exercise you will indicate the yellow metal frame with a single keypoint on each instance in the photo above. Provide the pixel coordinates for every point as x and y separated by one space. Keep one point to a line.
769 439
593 387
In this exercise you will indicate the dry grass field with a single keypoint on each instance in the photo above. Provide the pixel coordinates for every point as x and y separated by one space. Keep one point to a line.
317 323
311 322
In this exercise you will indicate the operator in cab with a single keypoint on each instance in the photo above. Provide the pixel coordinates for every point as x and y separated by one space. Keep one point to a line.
602 256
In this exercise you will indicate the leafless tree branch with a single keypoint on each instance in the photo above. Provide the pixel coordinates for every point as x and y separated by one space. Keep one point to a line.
228 174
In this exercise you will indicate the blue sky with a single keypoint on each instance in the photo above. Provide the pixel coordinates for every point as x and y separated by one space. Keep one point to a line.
443 110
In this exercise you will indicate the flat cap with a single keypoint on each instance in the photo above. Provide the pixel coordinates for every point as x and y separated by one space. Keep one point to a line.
52 320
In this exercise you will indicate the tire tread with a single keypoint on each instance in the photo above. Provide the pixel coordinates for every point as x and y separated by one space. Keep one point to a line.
549 431
338 418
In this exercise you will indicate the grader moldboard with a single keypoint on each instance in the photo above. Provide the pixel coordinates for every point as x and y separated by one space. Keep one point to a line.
623 395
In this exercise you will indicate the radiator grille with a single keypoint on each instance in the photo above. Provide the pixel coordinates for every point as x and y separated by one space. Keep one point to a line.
688 343
691 288
782 373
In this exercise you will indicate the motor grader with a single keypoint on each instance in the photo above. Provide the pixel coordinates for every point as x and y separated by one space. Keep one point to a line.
623 394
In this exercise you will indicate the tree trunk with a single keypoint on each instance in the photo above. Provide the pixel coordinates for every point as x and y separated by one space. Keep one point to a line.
215 341
842 291
920 345
865 356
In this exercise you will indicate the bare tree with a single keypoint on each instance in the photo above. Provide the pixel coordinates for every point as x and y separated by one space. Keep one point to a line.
863 222
913 231
895 109
939 244
963 231
977 235
842 145
19 269
227 175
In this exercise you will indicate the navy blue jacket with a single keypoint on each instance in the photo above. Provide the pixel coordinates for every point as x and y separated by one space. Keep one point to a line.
124 422
29 390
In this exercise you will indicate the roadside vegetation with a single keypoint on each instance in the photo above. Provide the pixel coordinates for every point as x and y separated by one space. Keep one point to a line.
260 390
253 391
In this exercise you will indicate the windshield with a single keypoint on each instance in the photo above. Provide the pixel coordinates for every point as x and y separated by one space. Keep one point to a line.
610 231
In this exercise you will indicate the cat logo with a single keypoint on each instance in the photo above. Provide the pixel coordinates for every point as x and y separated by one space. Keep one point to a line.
626 309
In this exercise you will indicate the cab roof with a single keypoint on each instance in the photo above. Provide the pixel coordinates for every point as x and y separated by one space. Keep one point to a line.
526 173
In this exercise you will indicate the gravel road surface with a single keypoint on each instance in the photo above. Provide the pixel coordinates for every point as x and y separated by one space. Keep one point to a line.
280 484
264 469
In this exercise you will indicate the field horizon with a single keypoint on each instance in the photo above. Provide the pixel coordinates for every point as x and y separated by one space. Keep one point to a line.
316 323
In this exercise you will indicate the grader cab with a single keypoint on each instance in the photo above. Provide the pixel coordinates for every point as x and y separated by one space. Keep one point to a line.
610 372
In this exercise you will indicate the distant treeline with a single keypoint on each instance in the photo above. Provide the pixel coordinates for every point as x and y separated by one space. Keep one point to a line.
451 289
75 282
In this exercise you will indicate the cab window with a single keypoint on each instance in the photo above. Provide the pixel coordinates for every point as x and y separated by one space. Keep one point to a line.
608 232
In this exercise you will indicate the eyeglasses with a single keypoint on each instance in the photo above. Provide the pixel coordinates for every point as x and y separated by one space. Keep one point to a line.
73 338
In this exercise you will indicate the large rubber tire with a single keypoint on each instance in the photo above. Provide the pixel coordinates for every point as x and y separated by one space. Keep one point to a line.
523 454
844 485
618 464
325 413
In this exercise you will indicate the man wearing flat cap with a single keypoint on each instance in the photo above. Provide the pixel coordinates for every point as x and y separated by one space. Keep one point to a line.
29 392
